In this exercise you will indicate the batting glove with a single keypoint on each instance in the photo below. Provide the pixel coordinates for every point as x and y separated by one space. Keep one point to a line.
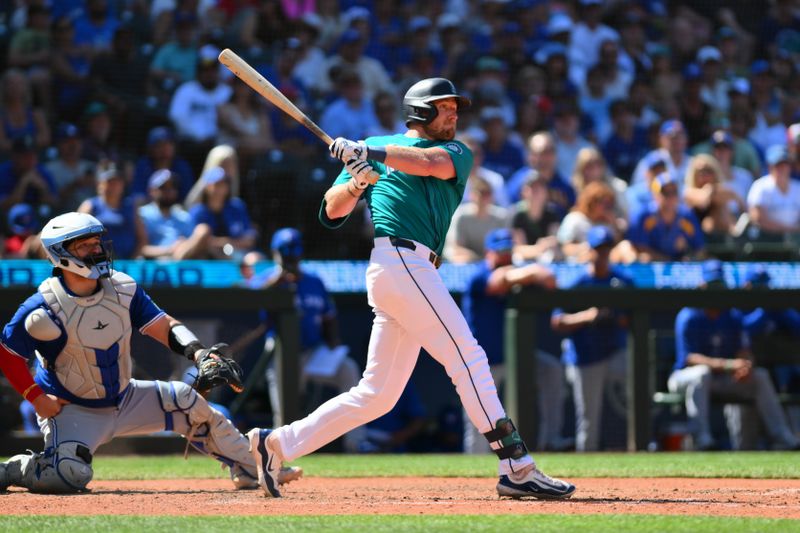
346 150
362 173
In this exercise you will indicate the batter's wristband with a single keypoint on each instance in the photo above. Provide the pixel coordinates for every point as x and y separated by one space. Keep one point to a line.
376 153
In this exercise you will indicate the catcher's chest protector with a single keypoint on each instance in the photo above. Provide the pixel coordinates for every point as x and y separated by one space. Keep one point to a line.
95 362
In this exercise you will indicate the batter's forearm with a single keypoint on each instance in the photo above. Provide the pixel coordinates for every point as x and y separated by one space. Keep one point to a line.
420 161
340 200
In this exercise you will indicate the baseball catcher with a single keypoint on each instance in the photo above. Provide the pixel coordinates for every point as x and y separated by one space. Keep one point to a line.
78 327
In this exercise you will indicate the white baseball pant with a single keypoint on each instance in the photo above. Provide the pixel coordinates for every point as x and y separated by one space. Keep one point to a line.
413 309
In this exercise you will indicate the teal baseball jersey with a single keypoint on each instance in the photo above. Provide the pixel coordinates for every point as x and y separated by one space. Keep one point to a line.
412 207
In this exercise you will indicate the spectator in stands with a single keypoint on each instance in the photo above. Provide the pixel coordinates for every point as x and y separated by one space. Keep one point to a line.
587 37
500 154
395 431
672 142
765 100
627 142
590 167
472 221
542 159
351 54
30 51
389 123
319 330
639 196
716 206
168 226
22 239
72 174
220 156
534 224
121 79
20 118
695 114
478 170
161 155
24 179
774 200
667 230
568 141
243 124
176 61
351 114
99 144
596 206
640 96
484 304
193 109
594 103
745 152
96 26
595 351
117 212
712 357
226 216
310 57
70 65
714 89
736 178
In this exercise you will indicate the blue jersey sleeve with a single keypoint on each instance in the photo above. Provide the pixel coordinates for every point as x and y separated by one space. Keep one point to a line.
239 223
686 338
143 310
14 335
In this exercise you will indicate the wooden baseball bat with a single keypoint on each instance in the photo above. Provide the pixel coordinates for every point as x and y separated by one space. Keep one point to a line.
262 86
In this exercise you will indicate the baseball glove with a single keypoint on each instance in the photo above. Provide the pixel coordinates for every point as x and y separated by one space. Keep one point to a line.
214 369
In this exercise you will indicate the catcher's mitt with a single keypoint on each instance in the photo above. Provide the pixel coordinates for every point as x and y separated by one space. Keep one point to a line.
214 369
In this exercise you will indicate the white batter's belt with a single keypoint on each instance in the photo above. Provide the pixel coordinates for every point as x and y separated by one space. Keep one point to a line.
411 245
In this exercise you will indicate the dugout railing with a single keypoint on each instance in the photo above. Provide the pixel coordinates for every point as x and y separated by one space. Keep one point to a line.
525 303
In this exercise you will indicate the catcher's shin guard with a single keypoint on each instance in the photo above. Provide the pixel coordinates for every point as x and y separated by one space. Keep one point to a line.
511 445
65 469
206 429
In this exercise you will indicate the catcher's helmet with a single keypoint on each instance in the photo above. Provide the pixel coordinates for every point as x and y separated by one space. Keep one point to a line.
417 103
63 229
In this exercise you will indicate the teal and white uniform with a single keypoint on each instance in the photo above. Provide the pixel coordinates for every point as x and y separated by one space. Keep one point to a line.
413 308
418 208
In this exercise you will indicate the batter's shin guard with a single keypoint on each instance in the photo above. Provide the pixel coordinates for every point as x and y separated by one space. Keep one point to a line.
511 445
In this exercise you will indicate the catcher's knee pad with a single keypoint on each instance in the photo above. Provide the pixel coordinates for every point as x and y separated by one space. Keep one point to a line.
511 444
65 469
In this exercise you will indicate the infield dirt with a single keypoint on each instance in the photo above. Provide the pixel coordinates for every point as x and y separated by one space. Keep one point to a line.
417 496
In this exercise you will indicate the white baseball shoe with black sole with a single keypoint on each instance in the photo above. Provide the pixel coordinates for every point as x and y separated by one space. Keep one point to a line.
534 483
267 461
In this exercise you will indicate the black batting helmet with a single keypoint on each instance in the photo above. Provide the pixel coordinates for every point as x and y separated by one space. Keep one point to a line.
417 103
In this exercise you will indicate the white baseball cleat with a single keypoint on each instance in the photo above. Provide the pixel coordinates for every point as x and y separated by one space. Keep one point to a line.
289 474
267 461
533 483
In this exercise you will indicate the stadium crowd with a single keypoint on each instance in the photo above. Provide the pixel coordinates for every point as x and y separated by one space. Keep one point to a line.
674 126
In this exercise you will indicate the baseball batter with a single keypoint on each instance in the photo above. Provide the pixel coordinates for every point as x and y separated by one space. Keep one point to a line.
78 327
412 184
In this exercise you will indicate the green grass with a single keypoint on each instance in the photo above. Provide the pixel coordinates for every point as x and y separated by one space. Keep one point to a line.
389 523
765 465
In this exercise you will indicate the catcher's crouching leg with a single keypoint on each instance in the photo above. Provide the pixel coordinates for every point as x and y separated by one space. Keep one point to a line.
208 431
63 470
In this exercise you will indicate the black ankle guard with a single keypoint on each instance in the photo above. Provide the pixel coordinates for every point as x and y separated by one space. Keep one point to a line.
511 444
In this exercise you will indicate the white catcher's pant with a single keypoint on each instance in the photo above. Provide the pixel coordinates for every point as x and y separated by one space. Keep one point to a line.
413 309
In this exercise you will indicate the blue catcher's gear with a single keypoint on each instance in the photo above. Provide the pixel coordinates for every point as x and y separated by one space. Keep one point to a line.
63 229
